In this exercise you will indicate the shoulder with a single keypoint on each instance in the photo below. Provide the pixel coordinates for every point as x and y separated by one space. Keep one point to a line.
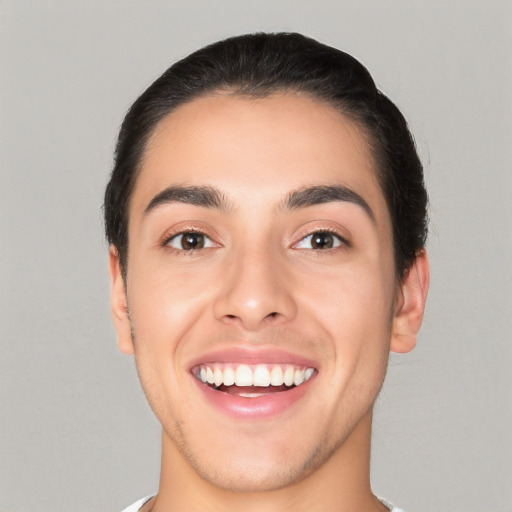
134 507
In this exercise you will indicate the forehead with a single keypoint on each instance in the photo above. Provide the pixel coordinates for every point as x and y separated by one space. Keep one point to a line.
257 149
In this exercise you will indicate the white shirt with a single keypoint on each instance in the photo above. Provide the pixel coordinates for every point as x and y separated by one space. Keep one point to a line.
134 507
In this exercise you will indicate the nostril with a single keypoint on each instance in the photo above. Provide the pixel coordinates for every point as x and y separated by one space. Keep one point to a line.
274 314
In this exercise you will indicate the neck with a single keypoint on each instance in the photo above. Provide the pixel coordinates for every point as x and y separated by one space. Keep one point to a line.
340 484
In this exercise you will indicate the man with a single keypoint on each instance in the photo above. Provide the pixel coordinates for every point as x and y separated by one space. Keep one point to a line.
267 221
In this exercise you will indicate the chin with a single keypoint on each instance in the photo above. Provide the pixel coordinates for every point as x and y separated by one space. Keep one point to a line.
250 469
247 478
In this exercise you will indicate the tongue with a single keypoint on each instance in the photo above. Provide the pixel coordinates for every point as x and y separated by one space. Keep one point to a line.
239 390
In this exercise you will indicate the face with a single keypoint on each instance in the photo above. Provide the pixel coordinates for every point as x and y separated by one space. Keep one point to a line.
260 287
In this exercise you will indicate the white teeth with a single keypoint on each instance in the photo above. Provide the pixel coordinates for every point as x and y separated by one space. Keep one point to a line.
288 376
250 395
276 376
259 376
308 373
298 378
218 377
243 376
229 376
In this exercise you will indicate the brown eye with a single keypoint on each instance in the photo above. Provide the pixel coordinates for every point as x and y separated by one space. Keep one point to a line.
190 241
321 240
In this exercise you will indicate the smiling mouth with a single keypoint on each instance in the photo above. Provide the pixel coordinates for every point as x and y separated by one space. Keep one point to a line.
252 381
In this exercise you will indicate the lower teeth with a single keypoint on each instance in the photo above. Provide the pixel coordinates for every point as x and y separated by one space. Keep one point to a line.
250 391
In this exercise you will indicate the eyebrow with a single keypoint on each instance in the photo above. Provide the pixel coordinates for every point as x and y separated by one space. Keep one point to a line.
205 196
319 194
211 197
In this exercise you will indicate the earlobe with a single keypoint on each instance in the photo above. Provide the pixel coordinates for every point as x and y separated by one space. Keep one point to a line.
410 305
118 304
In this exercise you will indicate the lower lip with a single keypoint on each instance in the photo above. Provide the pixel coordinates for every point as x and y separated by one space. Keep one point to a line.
259 407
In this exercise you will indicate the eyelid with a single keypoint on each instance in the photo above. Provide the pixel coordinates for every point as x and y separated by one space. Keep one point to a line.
208 242
310 231
183 229
174 234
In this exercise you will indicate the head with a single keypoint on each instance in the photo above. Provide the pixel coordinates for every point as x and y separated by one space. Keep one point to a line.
255 66
267 217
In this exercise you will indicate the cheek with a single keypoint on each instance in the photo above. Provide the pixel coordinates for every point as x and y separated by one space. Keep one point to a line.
355 298
166 307
160 295
352 309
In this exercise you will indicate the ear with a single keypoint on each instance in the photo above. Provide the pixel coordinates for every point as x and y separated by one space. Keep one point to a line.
118 304
410 305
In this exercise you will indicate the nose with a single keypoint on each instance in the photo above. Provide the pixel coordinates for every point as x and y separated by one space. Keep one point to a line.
256 290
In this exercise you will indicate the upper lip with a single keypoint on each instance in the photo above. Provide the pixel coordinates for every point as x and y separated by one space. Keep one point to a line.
253 356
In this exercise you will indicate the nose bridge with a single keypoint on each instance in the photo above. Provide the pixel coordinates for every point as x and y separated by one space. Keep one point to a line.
254 288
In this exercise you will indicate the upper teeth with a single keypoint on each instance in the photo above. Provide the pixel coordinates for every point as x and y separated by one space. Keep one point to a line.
260 375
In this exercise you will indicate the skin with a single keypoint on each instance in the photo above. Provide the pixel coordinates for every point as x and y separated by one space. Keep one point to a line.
259 283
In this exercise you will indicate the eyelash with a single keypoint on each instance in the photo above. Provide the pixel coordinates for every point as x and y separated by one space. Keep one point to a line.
343 242
168 238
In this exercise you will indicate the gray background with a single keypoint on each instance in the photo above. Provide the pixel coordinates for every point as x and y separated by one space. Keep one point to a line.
76 433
